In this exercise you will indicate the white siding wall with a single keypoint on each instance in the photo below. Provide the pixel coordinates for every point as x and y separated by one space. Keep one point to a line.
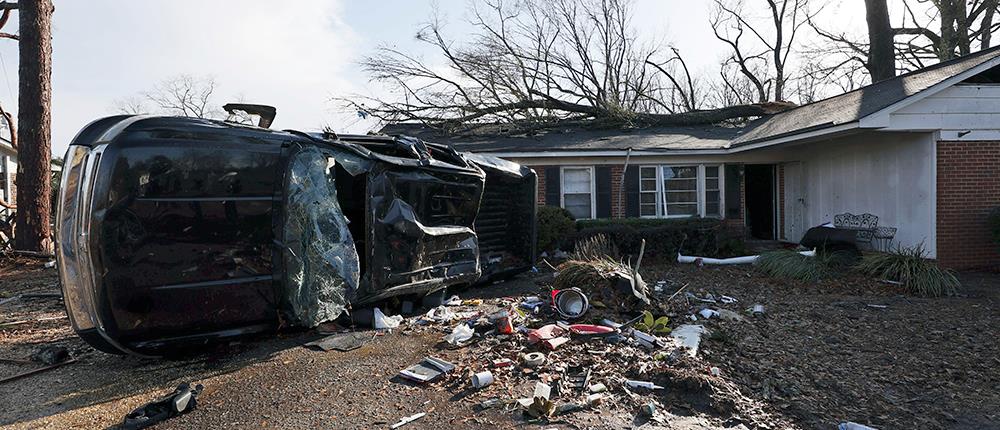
964 107
891 175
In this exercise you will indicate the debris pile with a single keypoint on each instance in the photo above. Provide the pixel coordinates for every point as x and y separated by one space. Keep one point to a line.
566 350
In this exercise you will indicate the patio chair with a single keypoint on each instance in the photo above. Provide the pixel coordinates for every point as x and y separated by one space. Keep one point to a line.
883 237
865 225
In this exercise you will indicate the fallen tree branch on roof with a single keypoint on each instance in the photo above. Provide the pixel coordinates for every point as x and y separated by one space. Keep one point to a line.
536 65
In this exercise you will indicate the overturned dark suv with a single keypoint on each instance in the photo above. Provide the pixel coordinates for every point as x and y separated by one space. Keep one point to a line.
175 231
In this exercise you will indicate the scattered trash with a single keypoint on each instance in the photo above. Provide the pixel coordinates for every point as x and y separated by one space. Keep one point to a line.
439 314
460 334
878 306
757 310
708 313
383 322
727 300
427 370
566 408
50 355
546 332
342 341
659 286
605 279
608 323
642 384
590 330
540 405
571 303
49 264
853 426
715 371
453 301
472 302
183 400
709 298
532 303
502 362
648 410
579 379
503 323
689 336
408 420
646 340
595 399
597 388
554 343
490 403
534 359
482 379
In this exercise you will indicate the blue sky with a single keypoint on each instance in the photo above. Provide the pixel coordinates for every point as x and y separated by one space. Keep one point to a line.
295 55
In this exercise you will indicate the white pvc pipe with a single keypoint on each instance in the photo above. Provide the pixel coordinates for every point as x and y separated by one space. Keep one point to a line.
750 259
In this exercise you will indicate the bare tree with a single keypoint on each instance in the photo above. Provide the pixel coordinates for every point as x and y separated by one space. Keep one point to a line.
927 31
532 65
761 48
183 95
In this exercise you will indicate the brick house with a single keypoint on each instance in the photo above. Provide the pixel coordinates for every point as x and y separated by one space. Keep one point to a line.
921 151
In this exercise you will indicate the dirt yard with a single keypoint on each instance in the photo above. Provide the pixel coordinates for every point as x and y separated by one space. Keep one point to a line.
821 354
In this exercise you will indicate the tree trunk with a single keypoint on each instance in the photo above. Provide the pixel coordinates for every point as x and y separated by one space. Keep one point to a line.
949 38
881 63
34 134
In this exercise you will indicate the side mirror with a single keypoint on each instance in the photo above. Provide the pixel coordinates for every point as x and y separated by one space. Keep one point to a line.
238 111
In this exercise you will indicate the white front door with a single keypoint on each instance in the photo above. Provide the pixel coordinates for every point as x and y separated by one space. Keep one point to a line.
796 200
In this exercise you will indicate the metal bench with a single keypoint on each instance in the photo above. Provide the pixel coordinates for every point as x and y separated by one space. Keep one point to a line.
864 225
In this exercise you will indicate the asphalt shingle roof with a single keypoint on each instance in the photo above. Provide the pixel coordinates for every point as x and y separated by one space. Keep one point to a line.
857 104
580 139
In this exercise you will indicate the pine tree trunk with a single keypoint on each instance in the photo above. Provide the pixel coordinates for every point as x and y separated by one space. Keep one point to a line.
34 134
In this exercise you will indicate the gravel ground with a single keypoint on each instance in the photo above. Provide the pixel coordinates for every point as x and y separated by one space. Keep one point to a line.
820 356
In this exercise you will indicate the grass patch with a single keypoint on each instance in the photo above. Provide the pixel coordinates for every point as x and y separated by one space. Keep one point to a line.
910 266
788 264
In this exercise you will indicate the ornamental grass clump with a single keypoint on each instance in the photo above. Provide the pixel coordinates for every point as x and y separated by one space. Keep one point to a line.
910 266
788 264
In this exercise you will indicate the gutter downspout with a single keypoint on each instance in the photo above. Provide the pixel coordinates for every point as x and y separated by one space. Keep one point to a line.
621 185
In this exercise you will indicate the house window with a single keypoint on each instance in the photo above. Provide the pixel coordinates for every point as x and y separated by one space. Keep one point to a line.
680 185
578 191
713 191
680 191
649 192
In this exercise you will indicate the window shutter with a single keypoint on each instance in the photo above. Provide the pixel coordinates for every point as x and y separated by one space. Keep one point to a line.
632 192
732 172
552 186
602 174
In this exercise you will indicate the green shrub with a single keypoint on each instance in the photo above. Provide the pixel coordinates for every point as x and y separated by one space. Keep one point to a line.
556 228
788 264
664 237
642 223
910 266
993 220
